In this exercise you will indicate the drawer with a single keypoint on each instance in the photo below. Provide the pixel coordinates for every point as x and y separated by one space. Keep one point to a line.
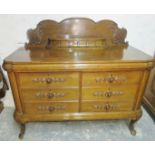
47 80
110 78
50 107
110 93
106 106
30 95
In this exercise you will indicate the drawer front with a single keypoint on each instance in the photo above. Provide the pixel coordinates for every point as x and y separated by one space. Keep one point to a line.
50 95
106 106
47 80
51 107
113 78
110 93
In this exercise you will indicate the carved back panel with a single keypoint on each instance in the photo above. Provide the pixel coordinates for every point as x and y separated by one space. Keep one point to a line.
76 32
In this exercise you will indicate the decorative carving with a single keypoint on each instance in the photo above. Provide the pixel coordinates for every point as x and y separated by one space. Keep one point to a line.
34 36
76 32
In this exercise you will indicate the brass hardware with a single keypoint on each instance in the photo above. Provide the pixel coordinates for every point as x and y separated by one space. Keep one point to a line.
51 109
49 94
108 93
107 107
38 94
110 79
48 80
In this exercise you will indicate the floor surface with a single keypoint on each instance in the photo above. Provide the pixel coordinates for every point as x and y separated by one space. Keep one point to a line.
76 130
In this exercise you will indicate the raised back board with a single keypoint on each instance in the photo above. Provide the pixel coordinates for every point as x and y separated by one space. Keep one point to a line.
76 32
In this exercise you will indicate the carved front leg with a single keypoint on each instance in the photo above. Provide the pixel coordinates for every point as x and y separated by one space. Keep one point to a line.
132 123
1 106
22 124
131 127
22 130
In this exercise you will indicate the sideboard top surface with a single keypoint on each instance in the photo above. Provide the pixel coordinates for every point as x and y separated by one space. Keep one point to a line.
78 55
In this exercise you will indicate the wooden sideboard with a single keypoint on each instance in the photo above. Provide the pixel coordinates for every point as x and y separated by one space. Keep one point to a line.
77 69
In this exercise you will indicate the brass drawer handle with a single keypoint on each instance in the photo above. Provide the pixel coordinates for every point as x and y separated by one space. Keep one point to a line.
106 107
52 95
51 109
110 79
49 95
108 93
47 80
46 108
57 108
50 80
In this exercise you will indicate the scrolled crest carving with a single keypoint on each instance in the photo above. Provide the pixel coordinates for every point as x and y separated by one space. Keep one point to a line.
34 36
76 32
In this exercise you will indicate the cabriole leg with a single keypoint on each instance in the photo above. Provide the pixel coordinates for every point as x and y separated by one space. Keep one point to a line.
1 106
131 127
132 123
22 130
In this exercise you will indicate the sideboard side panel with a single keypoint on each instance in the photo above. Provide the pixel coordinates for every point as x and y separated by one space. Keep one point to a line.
141 89
14 88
